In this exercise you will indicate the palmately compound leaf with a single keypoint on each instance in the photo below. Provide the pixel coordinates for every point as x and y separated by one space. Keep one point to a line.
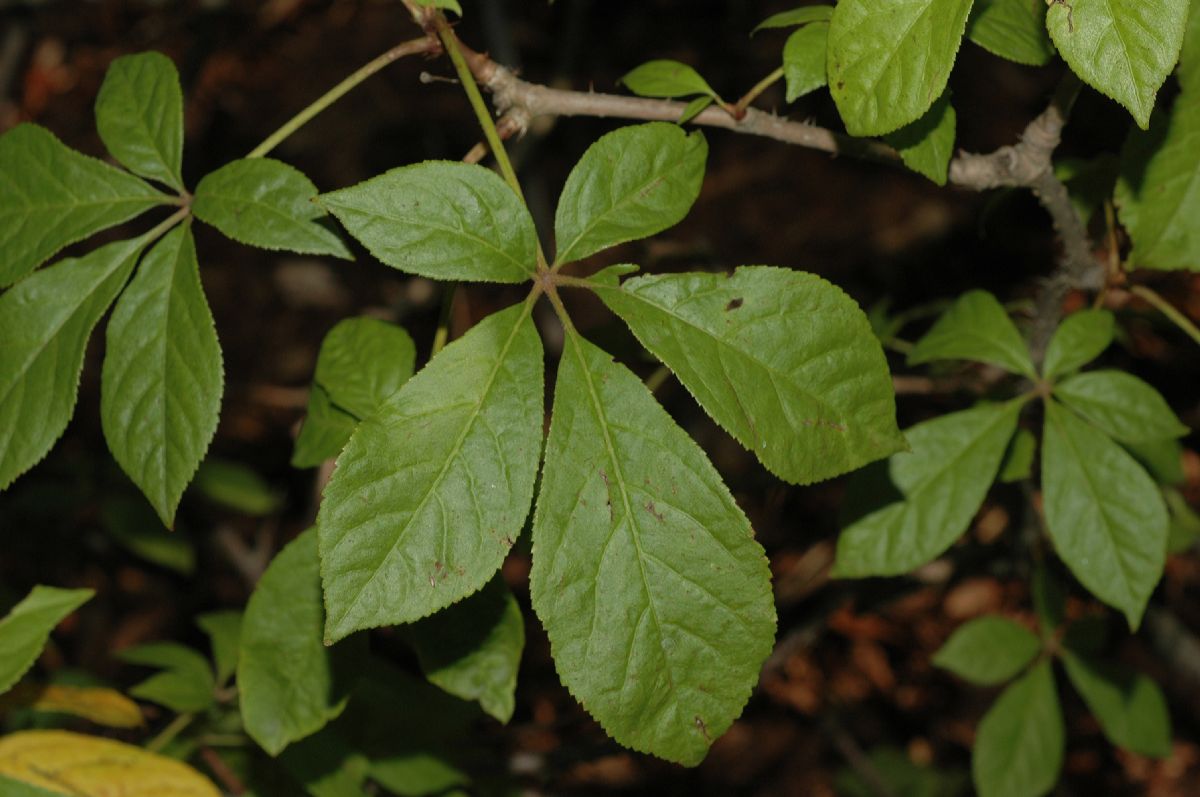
433 489
266 203
25 629
1156 192
1103 511
362 362
45 322
61 762
926 145
646 575
443 220
1125 407
1122 48
290 684
1130 707
139 115
804 60
631 183
942 481
52 196
1079 339
988 650
1020 743
797 16
782 359
889 61
472 649
976 327
162 380
185 682
667 78
1012 29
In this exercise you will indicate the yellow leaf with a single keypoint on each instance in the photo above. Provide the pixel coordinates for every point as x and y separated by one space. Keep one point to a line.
101 706
88 766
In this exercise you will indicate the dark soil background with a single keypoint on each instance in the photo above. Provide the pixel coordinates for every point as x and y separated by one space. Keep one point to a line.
851 671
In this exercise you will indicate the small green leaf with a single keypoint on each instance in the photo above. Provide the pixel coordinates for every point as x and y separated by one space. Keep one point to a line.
804 60
693 109
362 362
1122 48
797 16
282 636
1020 743
161 385
889 61
632 183
1189 55
325 431
901 775
942 481
1162 458
926 145
666 78
133 523
1185 522
473 648
646 575
266 203
988 650
52 196
440 219
237 487
433 489
1130 707
25 629
1012 29
224 631
1156 191
139 115
1018 460
1079 339
1125 407
185 682
784 360
976 327
45 323
1103 512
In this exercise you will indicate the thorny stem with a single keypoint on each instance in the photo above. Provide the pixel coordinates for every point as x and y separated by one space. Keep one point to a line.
1167 309
425 44
739 108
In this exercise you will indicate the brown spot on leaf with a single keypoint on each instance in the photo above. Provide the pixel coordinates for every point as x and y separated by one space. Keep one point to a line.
734 304
654 511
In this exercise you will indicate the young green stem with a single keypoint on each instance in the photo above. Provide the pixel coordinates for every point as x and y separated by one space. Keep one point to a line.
442 335
424 44
739 108
168 734
1167 309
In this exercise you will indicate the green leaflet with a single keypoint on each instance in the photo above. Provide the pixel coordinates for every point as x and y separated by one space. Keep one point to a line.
1189 55
693 109
1162 458
666 78
1122 48
988 650
51 196
889 61
1079 339
942 480
1157 190
235 486
926 145
804 60
433 490
1130 707
797 16
326 765
1020 742
133 523
472 649
282 635
1185 522
25 629
45 322
631 183
646 574
162 380
1018 460
976 327
440 219
901 775
224 629
1125 407
362 362
784 360
185 682
325 431
266 203
1012 29
1103 512
139 115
